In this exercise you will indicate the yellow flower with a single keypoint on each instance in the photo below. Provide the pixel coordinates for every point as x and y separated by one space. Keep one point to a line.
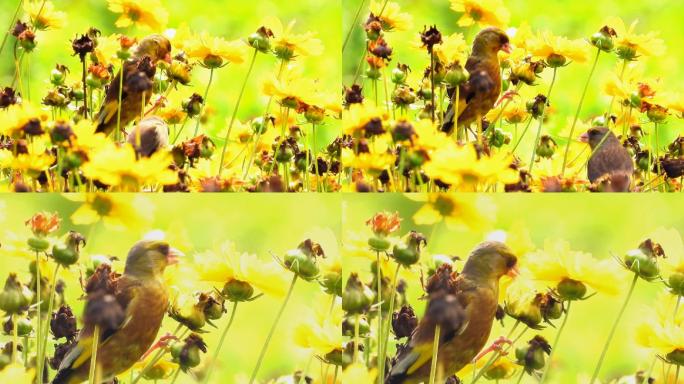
630 45
557 48
32 163
148 13
43 15
515 112
291 89
484 12
288 45
517 239
374 162
521 36
320 330
107 47
17 116
673 246
358 373
455 210
660 330
16 373
226 264
391 17
357 116
116 212
14 245
461 167
428 138
453 49
556 263
211 48
118 167
162 369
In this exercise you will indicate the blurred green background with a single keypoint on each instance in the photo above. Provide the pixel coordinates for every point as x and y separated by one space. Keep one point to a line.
225 18
256 224
573 19
598 224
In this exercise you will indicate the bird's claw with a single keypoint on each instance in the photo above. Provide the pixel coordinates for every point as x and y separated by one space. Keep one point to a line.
497 346
508 95
163 342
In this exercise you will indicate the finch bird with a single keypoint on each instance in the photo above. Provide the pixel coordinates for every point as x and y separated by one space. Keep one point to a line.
464 307
150 135
143 300
608 160
138 73
479 94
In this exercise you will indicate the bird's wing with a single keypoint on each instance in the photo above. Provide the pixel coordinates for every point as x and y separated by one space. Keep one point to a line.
449 311
110 106
82 351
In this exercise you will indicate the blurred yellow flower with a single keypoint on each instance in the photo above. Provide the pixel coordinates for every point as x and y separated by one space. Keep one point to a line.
550 47
17 116
515 112
557 263
457 211
106 49
16 373
33 163
483 12
320 330
391 17
453 49
226 263
630 45
208 48
358 373
661 330
286 42
673 246
461 167
354 120
44 16
148 13
520 36
115 211
118 167
374 162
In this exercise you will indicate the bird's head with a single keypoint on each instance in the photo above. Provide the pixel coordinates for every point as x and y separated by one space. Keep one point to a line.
490 41
157 47
491 260
149 258
594 136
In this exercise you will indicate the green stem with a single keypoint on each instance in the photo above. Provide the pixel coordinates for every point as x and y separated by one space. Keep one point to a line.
235 110
315 158
154 359
612 331
175 375
51 304
39 326
355 354
15 338
657 152
388 322
555 343
204 101
432 83
676 375
541 119
93 356
337 369
579 109
302 377
272 331
522 374
351 29
207 376
378 273
180 130
435 351
117 135
85 89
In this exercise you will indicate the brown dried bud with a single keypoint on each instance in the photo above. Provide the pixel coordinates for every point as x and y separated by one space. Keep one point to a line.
404 322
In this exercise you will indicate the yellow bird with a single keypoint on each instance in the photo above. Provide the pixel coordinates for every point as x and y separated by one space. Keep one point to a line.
142 296
138 70
464 307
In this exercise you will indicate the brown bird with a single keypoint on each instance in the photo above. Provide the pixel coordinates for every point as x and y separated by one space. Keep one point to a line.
138 73
149 135
464 307
138 301
479 94
609 160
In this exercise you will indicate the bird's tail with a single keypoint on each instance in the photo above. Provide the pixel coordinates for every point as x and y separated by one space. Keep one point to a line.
449 121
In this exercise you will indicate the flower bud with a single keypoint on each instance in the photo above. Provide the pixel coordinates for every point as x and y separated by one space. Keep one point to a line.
43 223
357 297
38 244
27 40
284 52
159 371
302 260
676 357
24 326
569 289
407 252
193 105
58 75
603 39
15 297
384 223
551 308
676 283
259 40
656 113
500 369
398 76
536 106
626 52
455 76
314 114
642 263
213 305
349 324
403 96
499 138
187 353
524 72
526 311
236 291
332 283
179 72
547 147
531 356
69 254
373 73
212 61
555 60
63 323
82 46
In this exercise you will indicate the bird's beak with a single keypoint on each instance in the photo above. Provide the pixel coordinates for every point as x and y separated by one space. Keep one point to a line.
507 48
174 256
584 138
513 272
